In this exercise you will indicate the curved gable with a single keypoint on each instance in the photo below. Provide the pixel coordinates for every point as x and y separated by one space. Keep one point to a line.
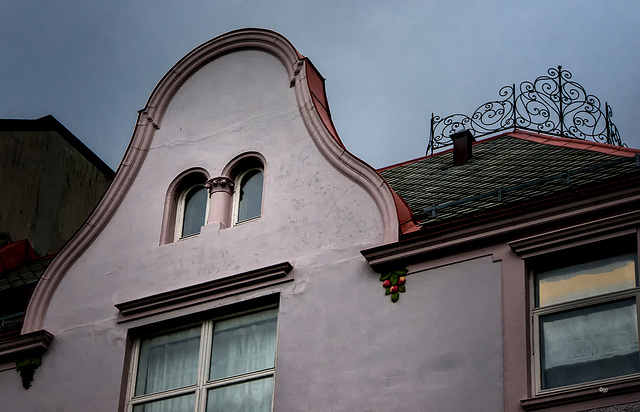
153 120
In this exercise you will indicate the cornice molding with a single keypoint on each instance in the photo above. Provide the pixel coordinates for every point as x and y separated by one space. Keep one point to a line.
150 120
620 225
348 164
205 292
24 345
427 247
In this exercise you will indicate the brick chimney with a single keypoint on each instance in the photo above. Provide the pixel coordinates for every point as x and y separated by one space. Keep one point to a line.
462 144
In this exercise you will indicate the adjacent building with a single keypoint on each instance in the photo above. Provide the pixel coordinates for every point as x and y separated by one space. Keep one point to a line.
243 259
49 184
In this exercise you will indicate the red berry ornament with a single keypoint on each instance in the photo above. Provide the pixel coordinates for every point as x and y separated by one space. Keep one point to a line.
386 283
401 280
394 289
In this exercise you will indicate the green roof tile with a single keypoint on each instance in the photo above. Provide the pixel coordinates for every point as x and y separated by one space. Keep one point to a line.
523 169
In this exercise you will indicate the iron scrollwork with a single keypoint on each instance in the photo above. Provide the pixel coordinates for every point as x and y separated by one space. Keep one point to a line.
552 104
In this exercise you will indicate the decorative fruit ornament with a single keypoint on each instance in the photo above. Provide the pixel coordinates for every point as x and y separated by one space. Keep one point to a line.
393 283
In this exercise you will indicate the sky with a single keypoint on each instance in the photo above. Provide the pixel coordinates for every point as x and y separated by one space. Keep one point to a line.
388 64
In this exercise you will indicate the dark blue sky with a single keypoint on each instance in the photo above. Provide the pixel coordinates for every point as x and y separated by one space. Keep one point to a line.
93 64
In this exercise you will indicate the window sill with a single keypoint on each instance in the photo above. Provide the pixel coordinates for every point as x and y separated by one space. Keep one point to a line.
581 395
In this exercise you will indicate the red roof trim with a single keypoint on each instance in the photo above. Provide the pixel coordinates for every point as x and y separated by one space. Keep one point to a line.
543 139
407 223
575 143
315 81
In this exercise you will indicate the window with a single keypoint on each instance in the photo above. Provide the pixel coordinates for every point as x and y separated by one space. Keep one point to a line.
585 316
248 196
192 210
222 365
186 206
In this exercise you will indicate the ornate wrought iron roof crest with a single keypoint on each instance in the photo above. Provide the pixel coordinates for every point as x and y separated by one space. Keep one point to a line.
552 104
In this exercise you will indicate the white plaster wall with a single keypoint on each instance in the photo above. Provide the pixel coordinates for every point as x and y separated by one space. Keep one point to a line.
342 344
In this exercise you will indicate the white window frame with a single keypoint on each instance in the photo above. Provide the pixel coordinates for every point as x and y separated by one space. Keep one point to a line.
203 385
236 196
180 212
536 313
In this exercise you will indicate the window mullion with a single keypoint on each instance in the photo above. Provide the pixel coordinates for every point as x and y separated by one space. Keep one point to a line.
247 377
203 368
168 394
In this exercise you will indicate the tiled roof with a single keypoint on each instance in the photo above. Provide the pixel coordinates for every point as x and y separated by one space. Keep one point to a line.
506 170
26 274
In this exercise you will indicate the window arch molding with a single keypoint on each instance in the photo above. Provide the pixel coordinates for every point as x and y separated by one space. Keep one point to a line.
247 171
178 191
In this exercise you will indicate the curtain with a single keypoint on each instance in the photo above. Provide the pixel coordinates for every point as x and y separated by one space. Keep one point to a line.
244 344
168 362
253 396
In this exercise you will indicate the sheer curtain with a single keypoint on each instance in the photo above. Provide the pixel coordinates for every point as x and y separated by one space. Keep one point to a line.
168 362
243 345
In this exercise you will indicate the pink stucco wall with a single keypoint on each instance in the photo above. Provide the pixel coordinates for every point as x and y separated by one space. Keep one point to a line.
342 345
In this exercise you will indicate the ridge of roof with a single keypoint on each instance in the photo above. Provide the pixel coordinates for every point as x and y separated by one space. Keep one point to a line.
574 143
417 159
537 137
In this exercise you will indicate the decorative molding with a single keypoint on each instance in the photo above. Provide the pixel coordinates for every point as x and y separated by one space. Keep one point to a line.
349 165
615 226
220 184
394 283
24 345
480 235
205 292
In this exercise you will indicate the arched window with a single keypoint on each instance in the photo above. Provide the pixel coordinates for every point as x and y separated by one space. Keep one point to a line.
186 206
248 196
192 209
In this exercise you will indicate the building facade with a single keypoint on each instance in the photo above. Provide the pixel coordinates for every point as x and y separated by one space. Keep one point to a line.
49 184
243 259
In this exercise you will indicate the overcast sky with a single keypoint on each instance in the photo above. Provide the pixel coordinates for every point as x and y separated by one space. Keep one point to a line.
389 64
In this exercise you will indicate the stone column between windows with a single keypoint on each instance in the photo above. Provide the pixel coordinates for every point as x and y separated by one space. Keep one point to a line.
221 197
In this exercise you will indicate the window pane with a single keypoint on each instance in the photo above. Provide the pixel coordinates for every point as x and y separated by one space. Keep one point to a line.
588 344
168 361
179 404
585 280
244 344
254 396
195 206
250 202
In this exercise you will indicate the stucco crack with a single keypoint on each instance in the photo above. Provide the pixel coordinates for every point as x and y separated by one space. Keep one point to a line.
236 127
93 327
336 202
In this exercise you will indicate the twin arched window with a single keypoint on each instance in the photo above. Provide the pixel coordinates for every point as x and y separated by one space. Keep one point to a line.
234 198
